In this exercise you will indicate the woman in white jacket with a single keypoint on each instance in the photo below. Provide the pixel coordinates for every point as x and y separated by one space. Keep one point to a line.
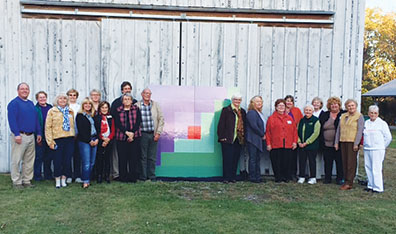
377 137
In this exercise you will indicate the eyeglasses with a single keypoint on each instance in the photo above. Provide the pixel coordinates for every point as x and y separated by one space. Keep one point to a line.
73 95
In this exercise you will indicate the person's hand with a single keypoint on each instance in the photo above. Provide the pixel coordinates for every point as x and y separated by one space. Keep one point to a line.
39 139
336 147
301 145
294 146
129 134
269 148
104 144
156 137
18 139
263 137
223 139
130 139
355 148
52 146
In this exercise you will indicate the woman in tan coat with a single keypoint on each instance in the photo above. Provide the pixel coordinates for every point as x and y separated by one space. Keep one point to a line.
59 134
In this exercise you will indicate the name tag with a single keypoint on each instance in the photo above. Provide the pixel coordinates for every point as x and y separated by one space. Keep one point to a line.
289 122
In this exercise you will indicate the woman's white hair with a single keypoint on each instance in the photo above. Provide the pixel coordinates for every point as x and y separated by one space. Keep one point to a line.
309 106
236 96
373 108
59 96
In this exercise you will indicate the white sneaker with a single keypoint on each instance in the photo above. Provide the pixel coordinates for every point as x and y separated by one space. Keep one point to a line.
78 180
301 180
63 183
312 181
69 180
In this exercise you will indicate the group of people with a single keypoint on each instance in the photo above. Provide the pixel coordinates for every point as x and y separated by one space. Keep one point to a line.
92 139
289 136
83 141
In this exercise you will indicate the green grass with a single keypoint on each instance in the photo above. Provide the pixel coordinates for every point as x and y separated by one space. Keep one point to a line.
199 207
393 143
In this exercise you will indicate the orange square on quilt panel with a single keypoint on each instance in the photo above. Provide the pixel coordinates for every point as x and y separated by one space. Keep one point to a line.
194 132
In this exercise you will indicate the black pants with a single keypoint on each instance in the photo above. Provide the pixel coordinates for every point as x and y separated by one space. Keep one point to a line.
303 154
330 155
293 162
231 153
103 155
128 159
281 161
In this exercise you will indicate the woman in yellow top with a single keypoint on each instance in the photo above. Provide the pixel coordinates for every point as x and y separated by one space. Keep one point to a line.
348 137
59 134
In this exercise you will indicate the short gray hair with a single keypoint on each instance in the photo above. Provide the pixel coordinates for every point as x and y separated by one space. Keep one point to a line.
309 106
59 96
373 108
126 95
236 96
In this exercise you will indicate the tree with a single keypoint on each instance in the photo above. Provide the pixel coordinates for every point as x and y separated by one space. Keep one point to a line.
379 54
379 59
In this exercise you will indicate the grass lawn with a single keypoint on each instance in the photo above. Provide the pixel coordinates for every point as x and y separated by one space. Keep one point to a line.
393 143
200 207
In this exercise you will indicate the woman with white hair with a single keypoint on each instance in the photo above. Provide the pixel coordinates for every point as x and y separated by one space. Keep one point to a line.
317 103
377 137
231 135
308 142
59 134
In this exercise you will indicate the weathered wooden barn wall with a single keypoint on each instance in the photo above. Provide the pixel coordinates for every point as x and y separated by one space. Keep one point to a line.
55 55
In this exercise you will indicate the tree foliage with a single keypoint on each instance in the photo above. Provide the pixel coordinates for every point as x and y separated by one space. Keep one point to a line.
379 55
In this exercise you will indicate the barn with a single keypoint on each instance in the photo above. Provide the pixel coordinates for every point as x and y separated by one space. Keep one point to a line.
272 48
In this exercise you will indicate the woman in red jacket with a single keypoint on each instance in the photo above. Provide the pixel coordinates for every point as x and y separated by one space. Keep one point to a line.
296 114
281 137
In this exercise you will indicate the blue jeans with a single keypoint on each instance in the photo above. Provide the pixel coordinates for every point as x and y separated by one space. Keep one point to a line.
87 155
43 156
254 162
62 156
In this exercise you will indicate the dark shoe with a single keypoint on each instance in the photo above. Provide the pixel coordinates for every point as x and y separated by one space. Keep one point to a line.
18 186
29 185
340 182
368 189
376 191
99 179
225 182
107 179
285 180
278 181
327 182
116 178
233 181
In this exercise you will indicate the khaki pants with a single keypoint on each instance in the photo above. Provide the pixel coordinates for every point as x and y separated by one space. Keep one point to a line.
22 159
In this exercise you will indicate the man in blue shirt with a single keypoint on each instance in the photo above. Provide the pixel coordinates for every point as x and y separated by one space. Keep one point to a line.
23 121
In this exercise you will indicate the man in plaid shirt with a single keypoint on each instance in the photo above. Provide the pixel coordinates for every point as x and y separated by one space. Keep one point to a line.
151 128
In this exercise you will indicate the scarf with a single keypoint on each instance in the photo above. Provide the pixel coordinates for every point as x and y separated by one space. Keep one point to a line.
66 120
89 117
240 130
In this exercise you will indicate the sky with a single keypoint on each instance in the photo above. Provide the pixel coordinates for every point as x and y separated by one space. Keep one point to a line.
385 5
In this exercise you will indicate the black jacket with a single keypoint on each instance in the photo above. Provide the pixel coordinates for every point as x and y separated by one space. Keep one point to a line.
84 128
98 123
226 126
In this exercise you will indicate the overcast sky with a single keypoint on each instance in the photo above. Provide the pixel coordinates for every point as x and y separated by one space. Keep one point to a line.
385 5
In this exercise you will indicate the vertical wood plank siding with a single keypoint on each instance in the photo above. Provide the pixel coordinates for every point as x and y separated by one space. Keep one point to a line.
56 55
